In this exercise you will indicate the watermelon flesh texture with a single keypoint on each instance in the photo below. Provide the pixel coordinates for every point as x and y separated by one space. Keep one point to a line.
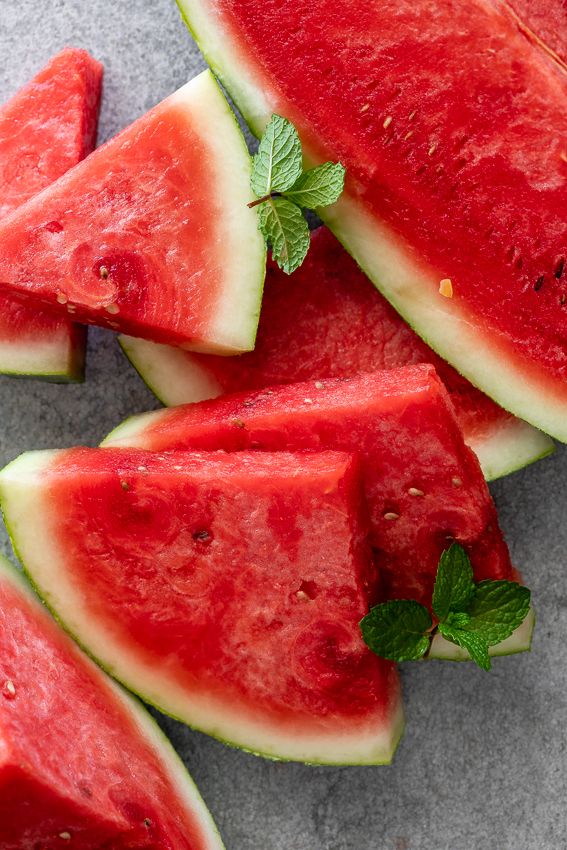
101 774
545 21
327 320
451 125
423 486
45 129
151 234
224 588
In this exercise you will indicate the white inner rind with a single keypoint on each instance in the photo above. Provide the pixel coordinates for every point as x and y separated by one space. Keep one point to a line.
31 519
53 354
148 729
409 286
240 246
519 641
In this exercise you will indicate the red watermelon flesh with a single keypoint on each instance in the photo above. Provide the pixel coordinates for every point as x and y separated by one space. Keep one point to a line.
546 20
81 764
328 320
423 485
45 129
139 236
224 588
451 125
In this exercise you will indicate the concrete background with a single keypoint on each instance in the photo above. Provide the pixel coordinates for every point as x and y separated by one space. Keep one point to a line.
482 764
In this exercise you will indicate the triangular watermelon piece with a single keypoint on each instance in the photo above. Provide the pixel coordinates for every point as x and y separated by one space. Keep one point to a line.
226 589
451 125
328 320
81 764
151 234
45 129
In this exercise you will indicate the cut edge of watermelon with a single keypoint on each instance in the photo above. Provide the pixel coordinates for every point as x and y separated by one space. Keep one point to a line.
237 230
519 641
172 374
381 254
147 726
59 358
21 500
175 377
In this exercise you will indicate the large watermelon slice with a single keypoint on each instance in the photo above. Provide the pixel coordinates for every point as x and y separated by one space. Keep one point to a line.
151 234
48 127
81 764
224 588
452 127
327 320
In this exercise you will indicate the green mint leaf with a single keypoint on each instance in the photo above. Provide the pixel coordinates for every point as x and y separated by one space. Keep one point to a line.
496 610
397 630
278 163
287 231
454 585
318 187
476 647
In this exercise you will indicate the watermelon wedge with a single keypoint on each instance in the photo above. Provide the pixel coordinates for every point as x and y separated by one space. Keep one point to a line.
327 320
224 588
423 485
151 234
451 125
100 773
45 129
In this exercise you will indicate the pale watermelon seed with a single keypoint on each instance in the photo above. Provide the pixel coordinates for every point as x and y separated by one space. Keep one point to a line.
414 491
390 515
9 689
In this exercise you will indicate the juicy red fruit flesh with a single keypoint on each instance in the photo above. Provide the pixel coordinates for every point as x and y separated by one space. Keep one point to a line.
90 774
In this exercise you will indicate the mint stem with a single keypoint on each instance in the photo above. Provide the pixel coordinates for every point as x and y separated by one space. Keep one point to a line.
264 199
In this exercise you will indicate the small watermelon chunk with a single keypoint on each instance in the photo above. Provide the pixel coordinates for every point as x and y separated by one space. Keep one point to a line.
224 588
151 234
423 485
45 129
328 321
81 764
451 125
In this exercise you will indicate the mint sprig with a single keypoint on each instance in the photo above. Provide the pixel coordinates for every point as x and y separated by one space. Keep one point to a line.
283 189
473 616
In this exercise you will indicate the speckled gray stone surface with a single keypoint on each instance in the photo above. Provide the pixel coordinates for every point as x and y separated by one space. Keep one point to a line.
483 762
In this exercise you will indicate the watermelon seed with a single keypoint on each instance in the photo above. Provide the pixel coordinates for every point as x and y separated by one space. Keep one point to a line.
319 385
365 108
539 283
446 287
414 491
103 271
124 485
432 149
563 156
202 536
238 423
563 299
147 822
408 135
559 268
307 591
387 122
412 115
9 689
390 515
308 401
113 309
65 836
456 482
61 298
302 596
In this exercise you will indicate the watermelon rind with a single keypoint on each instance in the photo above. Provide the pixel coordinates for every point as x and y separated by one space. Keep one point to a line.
384 257
25 510
146 725
519 641
59 358
175 377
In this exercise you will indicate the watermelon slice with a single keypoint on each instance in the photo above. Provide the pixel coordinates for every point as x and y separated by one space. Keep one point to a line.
48 127
452 127
423 485
224 588
327 320
151 234
100 774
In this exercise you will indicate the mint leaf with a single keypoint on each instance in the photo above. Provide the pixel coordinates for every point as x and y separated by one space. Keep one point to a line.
278 163
287 231
318 187
496 610
473 643
398 630
454 585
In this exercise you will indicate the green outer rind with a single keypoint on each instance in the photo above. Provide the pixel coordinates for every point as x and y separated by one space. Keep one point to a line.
511 390
149 729
398 725
68 368
519 641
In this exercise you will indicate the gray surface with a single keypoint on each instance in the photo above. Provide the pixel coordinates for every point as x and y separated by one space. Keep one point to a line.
482 764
